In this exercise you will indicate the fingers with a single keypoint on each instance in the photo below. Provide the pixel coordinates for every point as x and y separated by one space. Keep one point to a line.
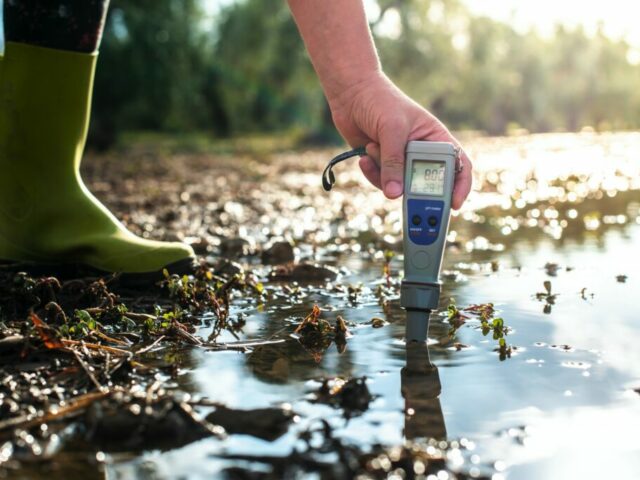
464 180
461 189
371 170
383 166
373 151
393 140
370 164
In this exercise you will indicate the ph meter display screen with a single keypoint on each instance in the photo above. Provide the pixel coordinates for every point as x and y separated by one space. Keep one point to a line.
427 177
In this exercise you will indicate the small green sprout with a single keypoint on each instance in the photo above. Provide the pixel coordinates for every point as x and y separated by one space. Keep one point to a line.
488 324
547 297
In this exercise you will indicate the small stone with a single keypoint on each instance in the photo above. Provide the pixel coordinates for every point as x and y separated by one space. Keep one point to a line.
309 271
353 395
226 268
377 322
169 216
304 272
278 253
200 246
236 247
265 423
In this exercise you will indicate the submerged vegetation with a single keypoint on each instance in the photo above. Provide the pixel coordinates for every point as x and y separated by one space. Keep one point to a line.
547 297
485 313
316 334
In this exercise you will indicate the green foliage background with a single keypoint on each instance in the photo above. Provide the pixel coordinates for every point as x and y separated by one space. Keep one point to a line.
166 66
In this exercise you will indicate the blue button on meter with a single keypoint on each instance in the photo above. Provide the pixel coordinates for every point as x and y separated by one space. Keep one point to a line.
424 233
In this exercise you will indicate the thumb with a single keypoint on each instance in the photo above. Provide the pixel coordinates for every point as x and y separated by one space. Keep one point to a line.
393 139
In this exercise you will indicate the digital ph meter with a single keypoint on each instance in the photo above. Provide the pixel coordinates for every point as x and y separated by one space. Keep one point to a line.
430 169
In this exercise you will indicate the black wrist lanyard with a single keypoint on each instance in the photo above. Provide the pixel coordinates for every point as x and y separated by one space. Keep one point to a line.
328 178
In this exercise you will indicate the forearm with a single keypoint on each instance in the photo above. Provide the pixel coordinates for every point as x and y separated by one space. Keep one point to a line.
339 42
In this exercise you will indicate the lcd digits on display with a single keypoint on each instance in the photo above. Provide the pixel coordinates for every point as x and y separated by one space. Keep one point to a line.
427 178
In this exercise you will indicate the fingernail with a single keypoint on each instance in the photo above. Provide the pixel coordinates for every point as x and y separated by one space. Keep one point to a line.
393 189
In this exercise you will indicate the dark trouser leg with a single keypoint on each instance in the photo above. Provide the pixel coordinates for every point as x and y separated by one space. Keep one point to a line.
74 25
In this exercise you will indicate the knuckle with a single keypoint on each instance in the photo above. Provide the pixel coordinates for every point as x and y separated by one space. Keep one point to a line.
393 162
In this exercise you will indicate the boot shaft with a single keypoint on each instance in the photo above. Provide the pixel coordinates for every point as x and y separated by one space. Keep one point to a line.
46 213
45 101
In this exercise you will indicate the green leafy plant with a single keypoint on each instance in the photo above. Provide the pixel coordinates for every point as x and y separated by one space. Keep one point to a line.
489 324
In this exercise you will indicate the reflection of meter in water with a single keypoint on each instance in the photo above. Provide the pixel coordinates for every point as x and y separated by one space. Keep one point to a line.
429 178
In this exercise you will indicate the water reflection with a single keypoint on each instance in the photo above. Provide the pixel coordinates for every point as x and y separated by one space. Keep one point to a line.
421 392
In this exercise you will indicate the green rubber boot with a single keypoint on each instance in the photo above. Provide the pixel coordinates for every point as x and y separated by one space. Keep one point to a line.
47 215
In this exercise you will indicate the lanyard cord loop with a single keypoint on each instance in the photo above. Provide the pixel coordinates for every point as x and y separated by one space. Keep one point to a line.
328 178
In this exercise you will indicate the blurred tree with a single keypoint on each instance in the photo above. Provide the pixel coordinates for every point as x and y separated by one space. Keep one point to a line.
267 82
165 67
155 71
416 43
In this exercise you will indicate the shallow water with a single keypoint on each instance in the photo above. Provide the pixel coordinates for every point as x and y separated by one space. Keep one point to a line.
563 405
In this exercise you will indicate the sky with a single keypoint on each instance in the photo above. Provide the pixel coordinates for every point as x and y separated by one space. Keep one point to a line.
618 17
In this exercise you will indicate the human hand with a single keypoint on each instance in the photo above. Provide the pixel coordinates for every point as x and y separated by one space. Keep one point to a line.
377 114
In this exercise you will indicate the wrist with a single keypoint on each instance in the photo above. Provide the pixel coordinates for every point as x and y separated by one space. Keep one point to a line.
349 76
342 97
